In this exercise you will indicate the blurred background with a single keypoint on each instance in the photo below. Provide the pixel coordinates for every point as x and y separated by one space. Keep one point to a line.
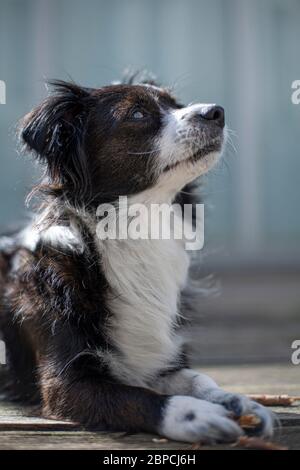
242 54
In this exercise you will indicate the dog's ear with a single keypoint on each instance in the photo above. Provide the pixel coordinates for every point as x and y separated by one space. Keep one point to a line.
55 132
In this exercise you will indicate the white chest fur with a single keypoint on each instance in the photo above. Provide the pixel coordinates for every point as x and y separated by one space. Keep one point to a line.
146 277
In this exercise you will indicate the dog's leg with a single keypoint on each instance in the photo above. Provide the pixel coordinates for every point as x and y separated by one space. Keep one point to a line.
192 383
101 403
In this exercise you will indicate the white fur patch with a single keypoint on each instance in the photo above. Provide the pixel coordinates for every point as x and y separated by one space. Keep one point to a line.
180 139
186 382
146 277
176 145
191 420
59 236
29 238
194 384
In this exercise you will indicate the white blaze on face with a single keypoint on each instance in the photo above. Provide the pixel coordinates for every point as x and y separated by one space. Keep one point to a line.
180 138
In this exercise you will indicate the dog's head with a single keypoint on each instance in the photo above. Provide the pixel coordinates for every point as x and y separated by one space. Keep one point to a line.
99 144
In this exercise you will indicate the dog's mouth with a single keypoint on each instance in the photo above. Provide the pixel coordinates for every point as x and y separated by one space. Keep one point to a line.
196 155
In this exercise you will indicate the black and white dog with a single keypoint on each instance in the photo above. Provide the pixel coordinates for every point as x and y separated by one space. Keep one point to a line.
92 326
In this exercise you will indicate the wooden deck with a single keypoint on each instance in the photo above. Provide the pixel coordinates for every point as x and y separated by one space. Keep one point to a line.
22 428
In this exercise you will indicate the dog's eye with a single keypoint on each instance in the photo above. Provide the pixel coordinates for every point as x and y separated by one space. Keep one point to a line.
138 114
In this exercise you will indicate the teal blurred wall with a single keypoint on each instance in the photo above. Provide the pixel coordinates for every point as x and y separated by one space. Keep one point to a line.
243 54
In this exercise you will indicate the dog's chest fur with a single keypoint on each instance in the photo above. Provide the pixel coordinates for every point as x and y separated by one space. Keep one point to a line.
146 277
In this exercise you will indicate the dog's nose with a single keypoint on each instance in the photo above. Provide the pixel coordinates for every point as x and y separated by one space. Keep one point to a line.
214 114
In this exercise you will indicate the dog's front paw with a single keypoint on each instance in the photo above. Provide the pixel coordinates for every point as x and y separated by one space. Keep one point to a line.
241 405
192 420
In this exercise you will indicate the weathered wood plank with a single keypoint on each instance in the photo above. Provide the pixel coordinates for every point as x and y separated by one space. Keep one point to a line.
14 417
83 440
21 440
